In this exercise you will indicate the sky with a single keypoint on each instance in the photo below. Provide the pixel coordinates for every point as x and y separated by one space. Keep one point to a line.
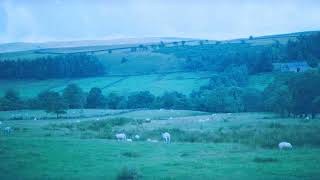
68 20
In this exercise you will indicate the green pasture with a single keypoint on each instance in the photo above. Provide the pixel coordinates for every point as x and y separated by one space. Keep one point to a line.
155 83
34 151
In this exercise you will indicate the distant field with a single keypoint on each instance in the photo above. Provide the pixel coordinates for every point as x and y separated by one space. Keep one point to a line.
155 83
34 151
48 49
183 82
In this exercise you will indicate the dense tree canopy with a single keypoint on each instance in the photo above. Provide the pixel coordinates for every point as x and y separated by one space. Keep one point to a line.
68 66
74 96
95 99
52 102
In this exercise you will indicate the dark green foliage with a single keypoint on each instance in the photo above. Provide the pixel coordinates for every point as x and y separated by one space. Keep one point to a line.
305 48
74 96
11 101
278 99
294 94
115 101
304 89
119 121
172 100
221 99
95 99
128 173
316 105
252 100
218 57
140 100
52 102
67 66
130 154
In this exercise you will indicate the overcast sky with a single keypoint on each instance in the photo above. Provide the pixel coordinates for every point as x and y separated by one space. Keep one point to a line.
61 20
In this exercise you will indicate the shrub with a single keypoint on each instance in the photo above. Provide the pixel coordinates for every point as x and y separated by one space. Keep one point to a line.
128 173
119 121
105 132
130 154
264 160
276 125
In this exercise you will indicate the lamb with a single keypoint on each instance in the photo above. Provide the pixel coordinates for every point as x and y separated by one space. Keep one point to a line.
129 140
284 145
166 137
121 136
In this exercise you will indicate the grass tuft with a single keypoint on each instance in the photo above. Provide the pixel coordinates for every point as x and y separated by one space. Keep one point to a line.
264 160
129 173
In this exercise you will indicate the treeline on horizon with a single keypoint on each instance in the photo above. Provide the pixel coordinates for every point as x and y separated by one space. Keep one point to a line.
65 66
292 94
210 57
258 58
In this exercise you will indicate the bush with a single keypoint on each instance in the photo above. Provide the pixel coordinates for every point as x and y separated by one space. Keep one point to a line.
128 173
105 132
130 154
264 160
119 121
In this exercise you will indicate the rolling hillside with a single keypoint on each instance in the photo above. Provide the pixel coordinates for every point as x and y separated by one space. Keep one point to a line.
144 68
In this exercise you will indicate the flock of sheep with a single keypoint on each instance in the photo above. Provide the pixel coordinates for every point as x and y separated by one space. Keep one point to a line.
165 136
122 137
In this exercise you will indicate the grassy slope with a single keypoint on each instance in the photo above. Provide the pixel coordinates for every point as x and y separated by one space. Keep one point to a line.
138 63
58 158
155 83
31 154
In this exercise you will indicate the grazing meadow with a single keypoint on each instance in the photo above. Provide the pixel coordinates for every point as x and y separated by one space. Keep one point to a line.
219 146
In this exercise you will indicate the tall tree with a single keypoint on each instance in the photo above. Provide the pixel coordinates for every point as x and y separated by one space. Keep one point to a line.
95 99
52 102
74 96
11 101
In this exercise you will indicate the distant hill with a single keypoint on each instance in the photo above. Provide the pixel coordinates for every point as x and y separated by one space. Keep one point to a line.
125 42
154 69
24 46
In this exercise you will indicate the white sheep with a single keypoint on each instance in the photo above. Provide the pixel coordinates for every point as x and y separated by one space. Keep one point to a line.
137 137
0 122
285 145
166 137
121 136
129 140
7 130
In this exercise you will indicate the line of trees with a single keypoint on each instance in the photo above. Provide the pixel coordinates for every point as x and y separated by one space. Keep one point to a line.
289 95
305 48
67 66
257 58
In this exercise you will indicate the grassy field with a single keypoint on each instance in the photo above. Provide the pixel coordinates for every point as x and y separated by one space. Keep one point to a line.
155 83
183 82
36 151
